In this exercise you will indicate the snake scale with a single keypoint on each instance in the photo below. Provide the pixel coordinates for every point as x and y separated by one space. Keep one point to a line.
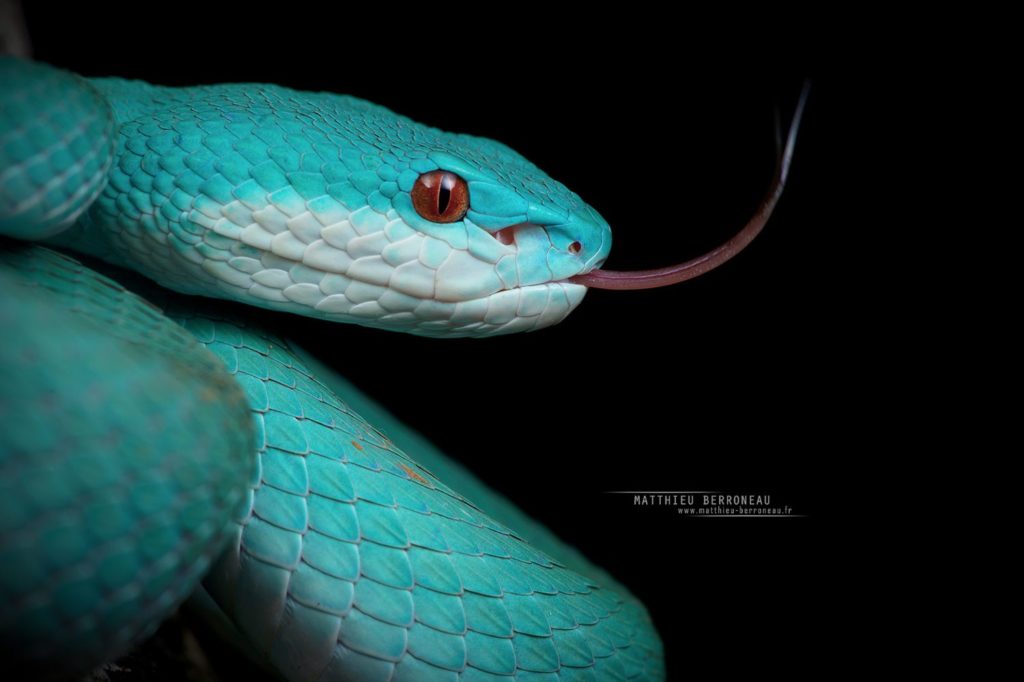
164 445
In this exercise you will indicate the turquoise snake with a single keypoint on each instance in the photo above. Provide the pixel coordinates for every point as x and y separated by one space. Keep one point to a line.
332 532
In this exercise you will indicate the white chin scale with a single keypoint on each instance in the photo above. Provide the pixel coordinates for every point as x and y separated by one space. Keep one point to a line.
363 267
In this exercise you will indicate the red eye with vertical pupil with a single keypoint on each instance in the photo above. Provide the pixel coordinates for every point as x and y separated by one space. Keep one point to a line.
440 197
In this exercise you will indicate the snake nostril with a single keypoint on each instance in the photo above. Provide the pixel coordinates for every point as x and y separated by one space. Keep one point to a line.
575 248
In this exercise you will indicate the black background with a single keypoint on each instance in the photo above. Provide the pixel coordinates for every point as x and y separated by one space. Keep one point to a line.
735 382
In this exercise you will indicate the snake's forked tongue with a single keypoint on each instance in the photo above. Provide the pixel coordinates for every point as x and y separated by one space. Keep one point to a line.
673 274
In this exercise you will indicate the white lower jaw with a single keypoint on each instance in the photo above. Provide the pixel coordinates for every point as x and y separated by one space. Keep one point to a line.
388 276
506 312
509 311
414 284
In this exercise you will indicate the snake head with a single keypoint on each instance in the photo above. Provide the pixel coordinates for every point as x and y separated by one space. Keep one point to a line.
341 209
332 207
495 254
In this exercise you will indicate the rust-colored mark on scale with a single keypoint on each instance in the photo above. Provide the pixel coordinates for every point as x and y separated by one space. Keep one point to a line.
413 475
357 445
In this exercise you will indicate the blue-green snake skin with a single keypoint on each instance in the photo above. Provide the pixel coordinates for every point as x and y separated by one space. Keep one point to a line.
160 440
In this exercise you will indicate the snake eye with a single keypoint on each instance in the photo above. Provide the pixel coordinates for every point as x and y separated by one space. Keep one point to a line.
440 197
